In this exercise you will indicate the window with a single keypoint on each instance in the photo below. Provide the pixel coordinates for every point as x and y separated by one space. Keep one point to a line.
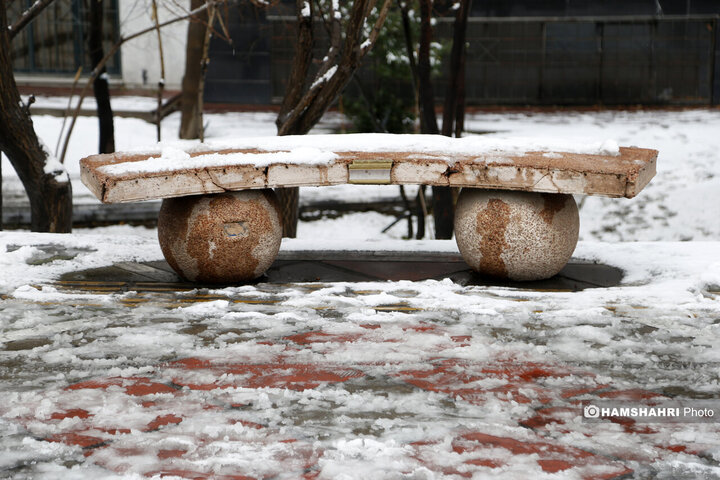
56 41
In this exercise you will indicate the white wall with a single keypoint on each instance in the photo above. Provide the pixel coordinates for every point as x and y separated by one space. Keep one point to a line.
142 53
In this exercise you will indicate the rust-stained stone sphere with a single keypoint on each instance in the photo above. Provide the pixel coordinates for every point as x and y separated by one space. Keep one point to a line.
223 238
516 235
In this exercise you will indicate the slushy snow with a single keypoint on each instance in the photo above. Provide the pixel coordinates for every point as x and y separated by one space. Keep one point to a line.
406 373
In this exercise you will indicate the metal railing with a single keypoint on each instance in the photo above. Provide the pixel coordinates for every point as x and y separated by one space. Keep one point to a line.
56 41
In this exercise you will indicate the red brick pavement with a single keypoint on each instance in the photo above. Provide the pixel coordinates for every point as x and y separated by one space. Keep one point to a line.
163 407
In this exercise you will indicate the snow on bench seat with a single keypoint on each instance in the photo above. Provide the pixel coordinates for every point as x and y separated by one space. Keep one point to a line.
594 168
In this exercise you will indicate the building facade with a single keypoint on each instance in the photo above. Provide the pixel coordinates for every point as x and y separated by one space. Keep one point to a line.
521 52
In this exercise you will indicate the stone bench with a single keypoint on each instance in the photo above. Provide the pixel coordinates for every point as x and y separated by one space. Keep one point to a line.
515 217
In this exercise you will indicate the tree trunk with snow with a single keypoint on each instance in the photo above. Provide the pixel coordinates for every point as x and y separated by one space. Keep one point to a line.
308 97
410 51
444 197
443 204
426 96
101 88
455 93
45 180
191 118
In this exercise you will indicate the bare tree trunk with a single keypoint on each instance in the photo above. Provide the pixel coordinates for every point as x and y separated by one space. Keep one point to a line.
409 43
457 69
428 120
1 210
443 197
289 198
161 82
410 50
306 101
443 212
48 188
460 108
302 60
101 89
191 119
204 61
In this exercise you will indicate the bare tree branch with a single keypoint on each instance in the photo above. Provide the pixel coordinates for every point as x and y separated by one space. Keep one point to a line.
28 16
161 82
325 88
428 119
335 38
301 64
457 70
301 109
98 68
327 80
225 32
409 43
204 60
69 106
372 38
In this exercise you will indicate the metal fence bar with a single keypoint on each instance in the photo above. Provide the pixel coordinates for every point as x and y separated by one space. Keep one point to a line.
55 42
595 60
612 60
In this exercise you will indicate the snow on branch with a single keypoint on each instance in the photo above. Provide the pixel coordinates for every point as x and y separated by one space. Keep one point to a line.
350 41
375 32
327 76
330 60
28 16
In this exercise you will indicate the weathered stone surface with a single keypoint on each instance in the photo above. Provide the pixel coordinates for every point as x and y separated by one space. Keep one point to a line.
516 235
624 175
224 238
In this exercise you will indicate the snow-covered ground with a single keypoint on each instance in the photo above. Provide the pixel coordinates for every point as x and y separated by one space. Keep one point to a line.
676 205
417 380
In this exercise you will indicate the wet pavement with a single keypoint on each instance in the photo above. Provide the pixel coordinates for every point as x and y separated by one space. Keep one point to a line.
303 267
127 371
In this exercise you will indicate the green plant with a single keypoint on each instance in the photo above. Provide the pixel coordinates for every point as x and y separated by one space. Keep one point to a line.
382 96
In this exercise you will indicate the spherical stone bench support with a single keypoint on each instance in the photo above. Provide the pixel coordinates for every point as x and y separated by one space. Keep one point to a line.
222 238
516 235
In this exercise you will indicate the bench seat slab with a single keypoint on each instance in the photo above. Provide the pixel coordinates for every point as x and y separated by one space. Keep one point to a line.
112 179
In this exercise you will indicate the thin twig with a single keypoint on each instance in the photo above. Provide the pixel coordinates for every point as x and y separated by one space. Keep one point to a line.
96 71
375 32
373 113
161 82
225 32
410 51
67 110
334 49
203 69
30 101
